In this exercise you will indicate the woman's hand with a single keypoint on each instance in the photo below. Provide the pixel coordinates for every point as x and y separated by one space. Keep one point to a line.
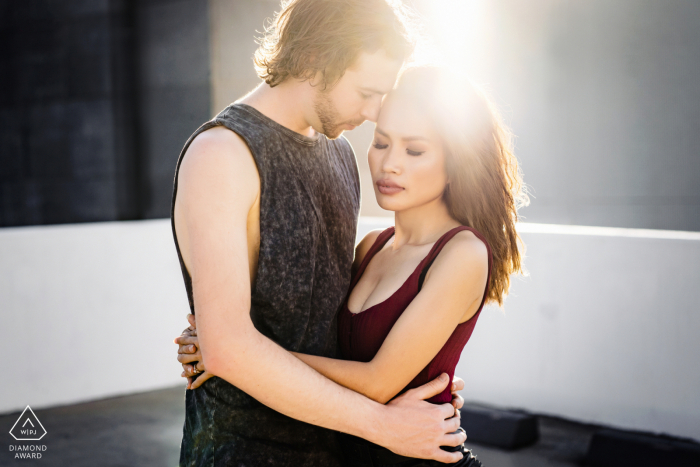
190 357
457 400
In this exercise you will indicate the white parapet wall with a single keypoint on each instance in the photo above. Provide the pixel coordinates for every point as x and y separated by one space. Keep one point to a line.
89 311
605 329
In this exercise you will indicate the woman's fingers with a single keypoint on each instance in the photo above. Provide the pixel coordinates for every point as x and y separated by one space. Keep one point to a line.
189 357
188 370
186 340
200 380
185 333
191 349
191 320
457 384
457 401
191 364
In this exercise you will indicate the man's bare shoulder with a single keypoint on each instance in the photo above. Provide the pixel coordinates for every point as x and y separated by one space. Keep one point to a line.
218 154
218 162
218 146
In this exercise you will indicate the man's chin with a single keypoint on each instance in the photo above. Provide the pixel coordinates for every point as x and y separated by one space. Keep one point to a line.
334 133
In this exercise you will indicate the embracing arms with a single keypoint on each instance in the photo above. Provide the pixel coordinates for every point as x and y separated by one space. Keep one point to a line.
218 185
451 293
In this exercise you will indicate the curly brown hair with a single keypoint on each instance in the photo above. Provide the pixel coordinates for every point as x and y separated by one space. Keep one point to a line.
326 36
485 186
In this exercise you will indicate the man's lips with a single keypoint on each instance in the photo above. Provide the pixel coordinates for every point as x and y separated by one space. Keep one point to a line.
353 125
388 187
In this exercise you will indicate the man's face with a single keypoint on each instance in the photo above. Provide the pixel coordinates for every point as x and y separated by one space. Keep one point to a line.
357 96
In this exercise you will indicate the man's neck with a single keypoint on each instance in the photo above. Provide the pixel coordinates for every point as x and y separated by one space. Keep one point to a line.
286 104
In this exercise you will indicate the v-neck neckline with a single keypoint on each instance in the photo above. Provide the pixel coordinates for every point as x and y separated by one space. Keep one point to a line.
372 253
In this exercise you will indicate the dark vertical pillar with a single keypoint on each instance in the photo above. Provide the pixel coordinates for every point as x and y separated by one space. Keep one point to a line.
126 96
62 107
96 100
175 90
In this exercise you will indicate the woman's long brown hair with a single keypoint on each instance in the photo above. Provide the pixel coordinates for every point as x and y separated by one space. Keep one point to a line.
485 187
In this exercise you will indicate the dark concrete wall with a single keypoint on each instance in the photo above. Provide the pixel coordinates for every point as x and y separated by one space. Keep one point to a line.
80 106
174 87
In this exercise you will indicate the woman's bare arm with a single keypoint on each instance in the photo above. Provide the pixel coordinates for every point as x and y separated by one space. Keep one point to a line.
451 293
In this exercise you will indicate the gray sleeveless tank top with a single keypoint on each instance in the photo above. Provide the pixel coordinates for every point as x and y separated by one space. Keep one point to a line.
309 204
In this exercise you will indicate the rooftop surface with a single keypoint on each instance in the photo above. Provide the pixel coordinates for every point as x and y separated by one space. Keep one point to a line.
145 430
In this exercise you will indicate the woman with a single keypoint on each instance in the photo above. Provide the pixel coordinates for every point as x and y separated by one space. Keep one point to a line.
442 161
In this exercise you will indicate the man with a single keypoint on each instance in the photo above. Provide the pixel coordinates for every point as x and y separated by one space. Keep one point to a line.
264 215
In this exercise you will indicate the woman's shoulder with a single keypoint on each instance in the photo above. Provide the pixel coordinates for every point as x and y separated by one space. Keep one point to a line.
467 241
460 271
364 246
465 251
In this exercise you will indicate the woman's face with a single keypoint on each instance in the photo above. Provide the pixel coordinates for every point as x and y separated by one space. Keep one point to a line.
406 158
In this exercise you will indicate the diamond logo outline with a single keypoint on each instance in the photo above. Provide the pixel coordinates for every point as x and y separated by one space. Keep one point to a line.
35 418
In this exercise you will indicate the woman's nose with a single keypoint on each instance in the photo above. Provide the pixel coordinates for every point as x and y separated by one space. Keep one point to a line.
391 162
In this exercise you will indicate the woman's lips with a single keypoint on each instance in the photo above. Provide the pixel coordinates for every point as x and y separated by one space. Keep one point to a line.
387 187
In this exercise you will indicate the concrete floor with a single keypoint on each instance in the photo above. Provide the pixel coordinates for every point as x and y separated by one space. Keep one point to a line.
145 429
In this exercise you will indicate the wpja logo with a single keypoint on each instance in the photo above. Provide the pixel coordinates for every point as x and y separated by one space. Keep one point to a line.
28 428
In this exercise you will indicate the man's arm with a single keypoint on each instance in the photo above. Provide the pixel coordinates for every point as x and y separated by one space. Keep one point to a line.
218 184
452 292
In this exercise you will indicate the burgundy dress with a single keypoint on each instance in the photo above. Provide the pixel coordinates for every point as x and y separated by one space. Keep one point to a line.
360 335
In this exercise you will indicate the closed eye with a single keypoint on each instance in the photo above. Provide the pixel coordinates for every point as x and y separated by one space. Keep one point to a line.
414 153
380 146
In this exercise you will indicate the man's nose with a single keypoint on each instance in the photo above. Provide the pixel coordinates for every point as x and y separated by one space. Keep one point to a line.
371 110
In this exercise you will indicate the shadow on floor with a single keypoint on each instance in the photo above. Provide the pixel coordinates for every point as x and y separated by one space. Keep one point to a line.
145 430
139 430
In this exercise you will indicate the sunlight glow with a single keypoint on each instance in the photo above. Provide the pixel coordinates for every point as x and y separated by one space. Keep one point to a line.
457 29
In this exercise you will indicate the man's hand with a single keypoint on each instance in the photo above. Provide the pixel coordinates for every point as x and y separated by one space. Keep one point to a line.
417 428
190 356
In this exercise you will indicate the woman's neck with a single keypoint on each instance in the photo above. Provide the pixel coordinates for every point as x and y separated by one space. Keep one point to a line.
422 224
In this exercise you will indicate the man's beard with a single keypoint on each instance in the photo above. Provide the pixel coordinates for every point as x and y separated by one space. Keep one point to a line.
328 115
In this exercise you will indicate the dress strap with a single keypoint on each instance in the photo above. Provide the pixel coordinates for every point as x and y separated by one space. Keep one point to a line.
442 241
381 240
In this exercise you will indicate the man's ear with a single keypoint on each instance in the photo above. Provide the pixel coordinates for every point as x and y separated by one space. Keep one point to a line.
317 79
